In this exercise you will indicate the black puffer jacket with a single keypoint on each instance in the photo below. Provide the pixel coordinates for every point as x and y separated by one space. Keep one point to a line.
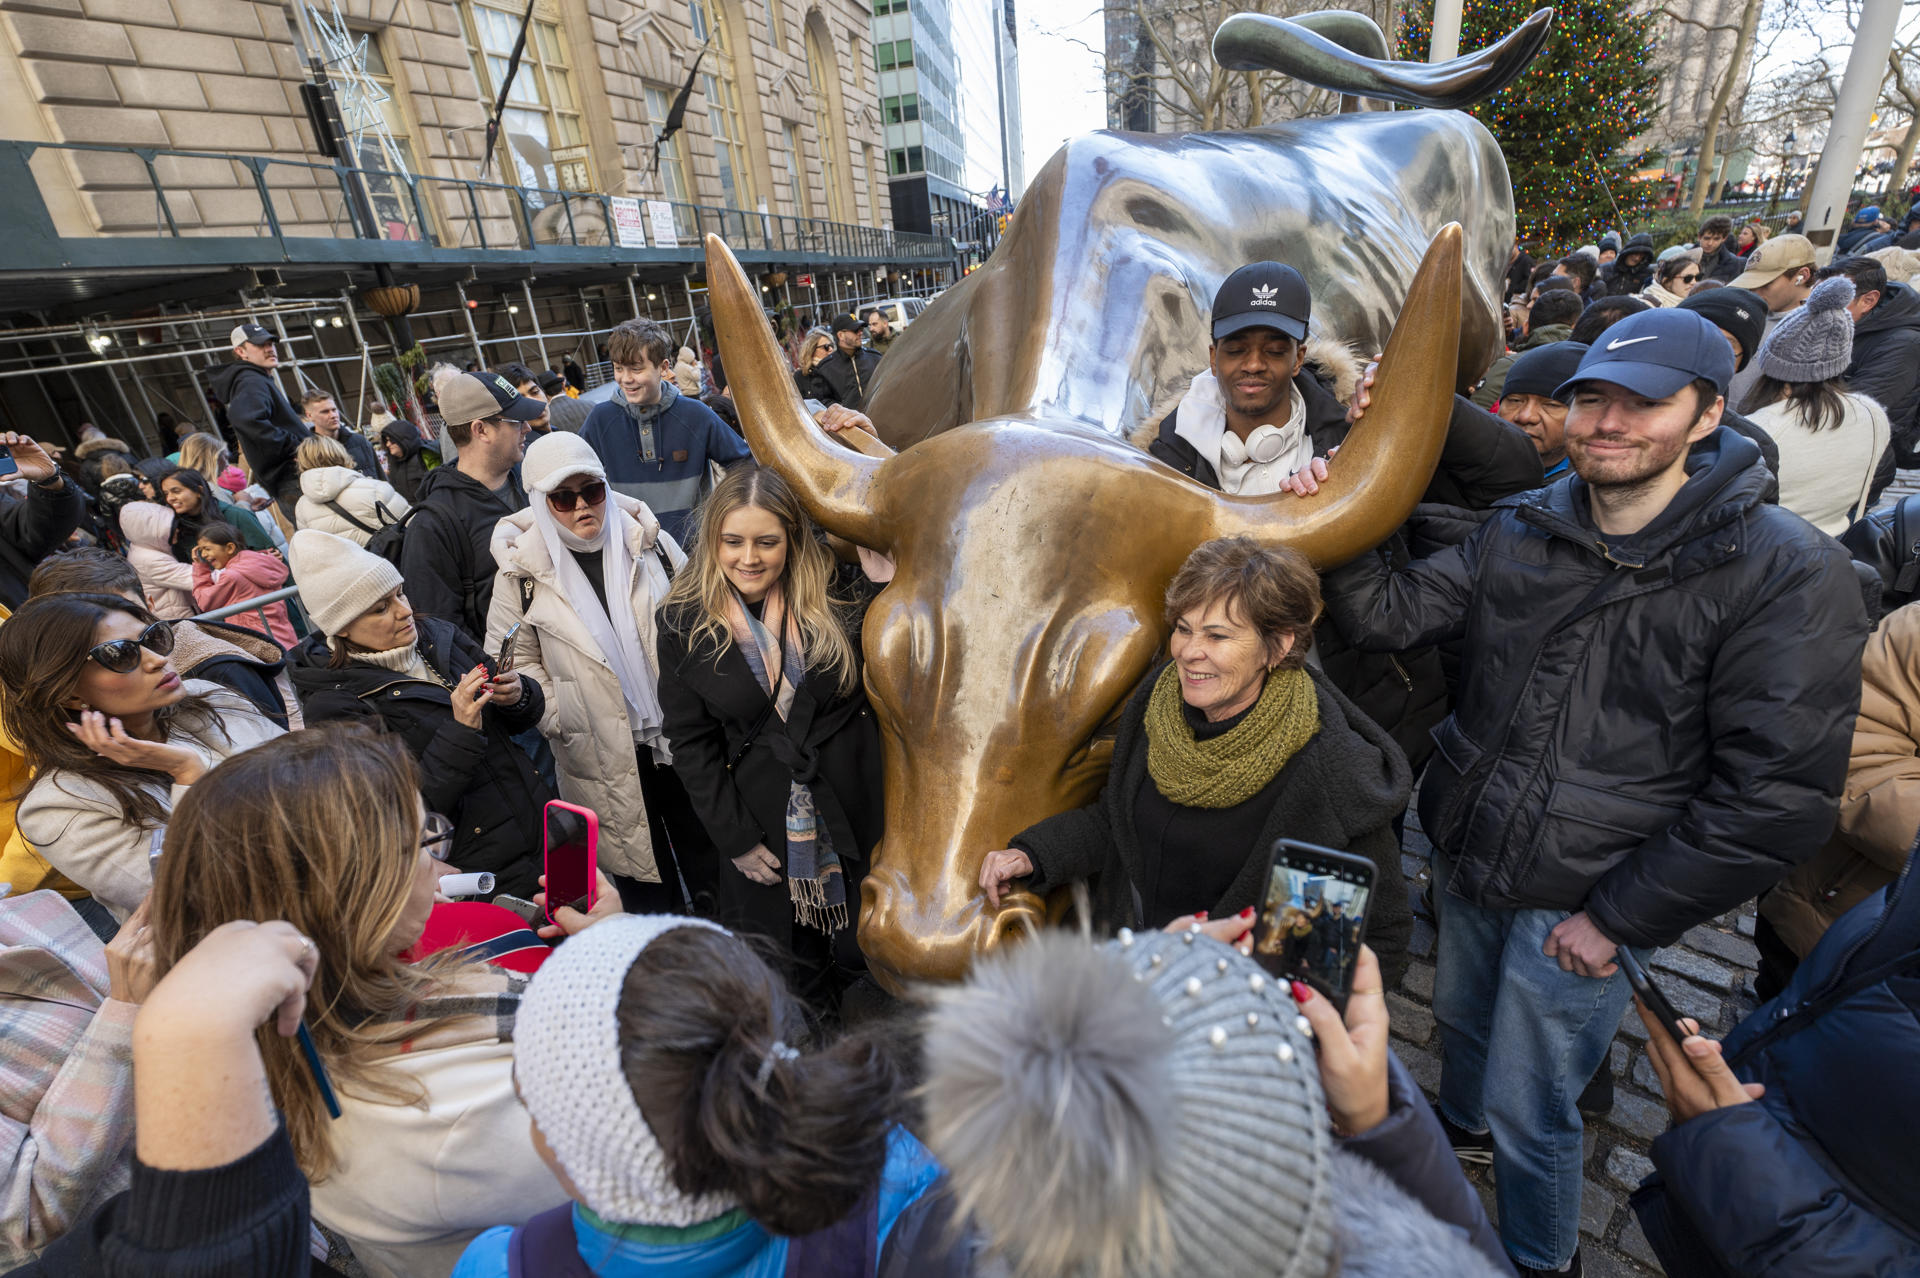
846 379
268 428
447 558
1631 271
481 781
1886 363
1341 790
1650 728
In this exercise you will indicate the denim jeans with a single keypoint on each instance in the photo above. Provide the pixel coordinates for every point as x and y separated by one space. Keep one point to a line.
1521 1039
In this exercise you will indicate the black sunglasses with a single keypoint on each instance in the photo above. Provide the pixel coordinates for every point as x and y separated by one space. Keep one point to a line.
1688 279
565 499
122 656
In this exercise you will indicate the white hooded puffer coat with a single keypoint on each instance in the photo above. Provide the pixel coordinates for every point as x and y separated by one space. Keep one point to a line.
371 501
586 714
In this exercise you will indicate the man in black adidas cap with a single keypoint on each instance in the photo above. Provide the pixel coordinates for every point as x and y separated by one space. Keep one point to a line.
448 558
1657 696
260 414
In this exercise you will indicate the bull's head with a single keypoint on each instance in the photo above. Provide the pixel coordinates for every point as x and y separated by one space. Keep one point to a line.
1032 561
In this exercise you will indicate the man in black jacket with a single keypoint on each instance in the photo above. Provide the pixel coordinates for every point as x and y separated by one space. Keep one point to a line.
1657 701
260 414
322 416
1717 261
37 523
1886 346
847 374
1630 272
448 557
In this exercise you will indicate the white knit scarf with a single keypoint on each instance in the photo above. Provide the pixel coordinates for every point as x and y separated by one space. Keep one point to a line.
617 636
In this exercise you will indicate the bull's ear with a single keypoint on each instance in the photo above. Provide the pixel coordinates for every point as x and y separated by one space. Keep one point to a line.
1388 458
1259 42
835 484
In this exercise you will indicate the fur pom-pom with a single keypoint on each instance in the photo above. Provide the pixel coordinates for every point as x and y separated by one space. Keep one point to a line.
1830 295
1047 1097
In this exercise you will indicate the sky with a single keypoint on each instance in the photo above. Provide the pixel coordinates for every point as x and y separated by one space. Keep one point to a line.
1061 91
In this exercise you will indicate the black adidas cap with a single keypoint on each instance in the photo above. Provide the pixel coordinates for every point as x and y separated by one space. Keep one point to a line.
1262 295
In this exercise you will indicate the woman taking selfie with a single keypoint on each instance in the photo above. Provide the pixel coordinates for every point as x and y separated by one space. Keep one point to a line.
111 734
1232 744
426 680
769 725
582 572
430 1145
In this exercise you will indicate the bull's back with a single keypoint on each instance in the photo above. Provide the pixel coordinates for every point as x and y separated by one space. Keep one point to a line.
1093 307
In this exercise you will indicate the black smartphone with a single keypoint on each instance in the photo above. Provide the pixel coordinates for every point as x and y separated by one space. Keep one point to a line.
1313 917
1650 995
504 662
8 465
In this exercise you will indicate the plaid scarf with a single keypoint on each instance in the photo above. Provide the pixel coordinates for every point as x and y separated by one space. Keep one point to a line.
814 877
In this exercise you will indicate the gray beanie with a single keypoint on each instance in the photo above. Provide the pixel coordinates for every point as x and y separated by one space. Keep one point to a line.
1814 342
1144 1107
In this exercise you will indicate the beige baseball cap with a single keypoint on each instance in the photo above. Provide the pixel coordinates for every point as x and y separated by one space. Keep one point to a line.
1773 259
471 397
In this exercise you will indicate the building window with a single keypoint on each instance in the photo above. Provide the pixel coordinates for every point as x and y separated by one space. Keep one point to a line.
797 187
874 183
381 167
543 142
673 156
890 54
723 108
856 62
901 109
825 94
776 32
910 159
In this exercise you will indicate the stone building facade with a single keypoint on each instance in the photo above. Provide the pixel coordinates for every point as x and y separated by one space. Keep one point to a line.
783 118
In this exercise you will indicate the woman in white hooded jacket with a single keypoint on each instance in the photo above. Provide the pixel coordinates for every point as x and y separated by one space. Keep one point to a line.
584 569
336 498
167 581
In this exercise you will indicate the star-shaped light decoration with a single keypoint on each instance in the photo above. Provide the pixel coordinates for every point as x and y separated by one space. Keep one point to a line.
361 97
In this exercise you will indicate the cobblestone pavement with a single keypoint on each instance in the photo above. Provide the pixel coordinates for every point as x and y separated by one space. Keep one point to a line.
1709 976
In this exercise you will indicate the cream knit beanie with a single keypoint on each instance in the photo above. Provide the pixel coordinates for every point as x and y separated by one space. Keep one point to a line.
338 580
566 1058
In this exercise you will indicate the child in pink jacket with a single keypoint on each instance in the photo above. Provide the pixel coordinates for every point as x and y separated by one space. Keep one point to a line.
224 572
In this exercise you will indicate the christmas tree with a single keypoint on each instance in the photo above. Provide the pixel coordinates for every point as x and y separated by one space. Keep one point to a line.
1563 122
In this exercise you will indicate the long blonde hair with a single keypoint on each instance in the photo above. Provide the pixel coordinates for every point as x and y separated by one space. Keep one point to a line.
320 828
206 454
702 590
814 336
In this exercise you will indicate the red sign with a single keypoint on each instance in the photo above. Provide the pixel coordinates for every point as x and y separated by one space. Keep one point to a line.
804 281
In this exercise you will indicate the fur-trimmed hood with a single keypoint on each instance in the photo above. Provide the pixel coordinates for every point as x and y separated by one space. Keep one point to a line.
95 447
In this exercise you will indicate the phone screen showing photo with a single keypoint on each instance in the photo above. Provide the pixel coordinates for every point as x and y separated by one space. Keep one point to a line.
1314 917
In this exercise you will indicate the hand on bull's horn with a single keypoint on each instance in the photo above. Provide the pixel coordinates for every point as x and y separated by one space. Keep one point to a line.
837 417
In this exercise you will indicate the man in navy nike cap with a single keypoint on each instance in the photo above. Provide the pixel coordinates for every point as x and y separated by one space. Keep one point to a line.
1656 701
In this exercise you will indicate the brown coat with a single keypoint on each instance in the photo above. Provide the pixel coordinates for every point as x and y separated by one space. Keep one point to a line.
1880 807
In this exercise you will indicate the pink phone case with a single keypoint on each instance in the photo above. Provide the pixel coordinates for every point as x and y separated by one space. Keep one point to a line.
555 899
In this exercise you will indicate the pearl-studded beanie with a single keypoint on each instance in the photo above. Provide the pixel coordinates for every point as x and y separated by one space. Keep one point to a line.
1148 1106
566 1058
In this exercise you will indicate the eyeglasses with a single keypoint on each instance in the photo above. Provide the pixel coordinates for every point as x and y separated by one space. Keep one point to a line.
1688 279
122 656
565 499
436 836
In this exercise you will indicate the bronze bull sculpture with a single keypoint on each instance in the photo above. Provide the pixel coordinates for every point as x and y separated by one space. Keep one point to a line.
1032 542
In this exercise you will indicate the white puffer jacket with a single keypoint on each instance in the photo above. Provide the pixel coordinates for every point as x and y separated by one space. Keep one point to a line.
355 493
168 582
586 715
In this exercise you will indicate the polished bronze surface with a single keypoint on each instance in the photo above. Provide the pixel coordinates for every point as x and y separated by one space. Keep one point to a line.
1033 551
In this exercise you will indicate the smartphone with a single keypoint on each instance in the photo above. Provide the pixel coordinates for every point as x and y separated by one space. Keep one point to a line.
1650 995
8 466
1311 921
573 844
524 908
504 662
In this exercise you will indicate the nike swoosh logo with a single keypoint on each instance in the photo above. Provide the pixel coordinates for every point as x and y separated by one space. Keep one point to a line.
1614 346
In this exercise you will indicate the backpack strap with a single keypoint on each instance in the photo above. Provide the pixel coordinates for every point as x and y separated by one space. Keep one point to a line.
341 511
1906 544
545 1247
848 1248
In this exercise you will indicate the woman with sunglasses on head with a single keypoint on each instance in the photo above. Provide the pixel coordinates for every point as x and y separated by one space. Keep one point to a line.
760 680
111 734
582 571
1673 279
324 829
423 678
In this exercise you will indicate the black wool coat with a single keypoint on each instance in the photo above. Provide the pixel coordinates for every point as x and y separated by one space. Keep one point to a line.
1341 790
829 742
480 780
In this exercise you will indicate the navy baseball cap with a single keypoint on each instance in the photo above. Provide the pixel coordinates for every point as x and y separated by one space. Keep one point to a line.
244 333
1262 295
1655 353
1542 370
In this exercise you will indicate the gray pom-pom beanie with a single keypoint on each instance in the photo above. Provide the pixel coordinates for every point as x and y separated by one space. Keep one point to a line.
1815 342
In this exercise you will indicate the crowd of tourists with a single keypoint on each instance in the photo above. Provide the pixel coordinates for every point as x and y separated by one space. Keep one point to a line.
259 1022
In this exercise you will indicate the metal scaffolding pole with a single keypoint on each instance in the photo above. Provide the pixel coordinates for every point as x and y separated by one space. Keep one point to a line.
140 385
633 297
366 358
693 315
466 313
533 315
519 356
139 426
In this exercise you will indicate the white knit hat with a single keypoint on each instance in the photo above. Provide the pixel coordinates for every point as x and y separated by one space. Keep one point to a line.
558 456
566 1058
338 580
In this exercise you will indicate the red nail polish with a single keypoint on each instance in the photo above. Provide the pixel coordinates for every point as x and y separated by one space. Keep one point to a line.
1247 913
1301 991
1200 914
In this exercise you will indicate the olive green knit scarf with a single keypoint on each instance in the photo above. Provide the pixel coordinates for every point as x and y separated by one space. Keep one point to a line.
1236 765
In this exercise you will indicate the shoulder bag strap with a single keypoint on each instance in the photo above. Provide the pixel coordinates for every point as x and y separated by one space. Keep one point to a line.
341 511
1906 539
754 732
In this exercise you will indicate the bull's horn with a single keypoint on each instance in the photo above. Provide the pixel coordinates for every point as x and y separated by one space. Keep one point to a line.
835 484
1259 42
1388 458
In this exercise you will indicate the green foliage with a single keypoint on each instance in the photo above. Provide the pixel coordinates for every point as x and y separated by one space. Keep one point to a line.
391 381
1563 123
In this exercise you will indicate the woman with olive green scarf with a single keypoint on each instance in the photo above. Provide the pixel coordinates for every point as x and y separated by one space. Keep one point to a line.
1229 746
